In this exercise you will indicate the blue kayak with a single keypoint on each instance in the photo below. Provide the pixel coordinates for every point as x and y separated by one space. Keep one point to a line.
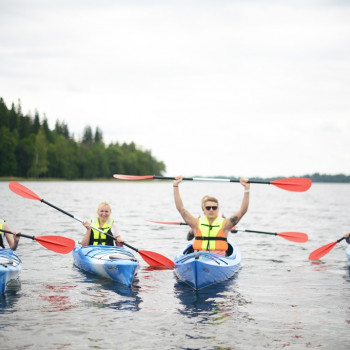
347 252
115 263
202 269
10 268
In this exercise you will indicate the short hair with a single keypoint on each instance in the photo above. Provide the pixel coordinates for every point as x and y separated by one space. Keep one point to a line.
208 198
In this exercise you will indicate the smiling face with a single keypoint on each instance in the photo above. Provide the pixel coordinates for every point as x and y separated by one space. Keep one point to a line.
103 212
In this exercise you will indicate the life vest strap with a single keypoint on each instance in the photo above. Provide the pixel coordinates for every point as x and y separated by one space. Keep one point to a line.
211 238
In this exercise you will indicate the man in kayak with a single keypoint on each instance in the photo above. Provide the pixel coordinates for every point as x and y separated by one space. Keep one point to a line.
211 230
12 239
347 237
104 223
190 234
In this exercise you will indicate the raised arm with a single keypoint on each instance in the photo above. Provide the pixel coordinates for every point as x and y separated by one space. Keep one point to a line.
186 215
233 220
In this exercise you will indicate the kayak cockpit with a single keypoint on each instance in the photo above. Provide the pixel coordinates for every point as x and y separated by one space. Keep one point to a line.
189 250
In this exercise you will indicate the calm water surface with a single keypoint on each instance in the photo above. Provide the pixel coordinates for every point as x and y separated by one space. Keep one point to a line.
278 299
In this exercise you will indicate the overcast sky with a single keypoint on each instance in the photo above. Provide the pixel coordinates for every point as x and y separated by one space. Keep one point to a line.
211 87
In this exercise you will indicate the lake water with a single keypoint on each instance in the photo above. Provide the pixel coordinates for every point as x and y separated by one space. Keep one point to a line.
278 299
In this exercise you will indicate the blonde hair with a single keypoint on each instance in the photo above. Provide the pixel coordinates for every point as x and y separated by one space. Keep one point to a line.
104 204
208 198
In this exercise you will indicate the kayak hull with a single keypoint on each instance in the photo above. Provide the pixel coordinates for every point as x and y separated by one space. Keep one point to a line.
115 263
10 268
202 269
347 252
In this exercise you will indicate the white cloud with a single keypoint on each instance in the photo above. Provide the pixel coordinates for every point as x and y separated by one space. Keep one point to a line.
256 88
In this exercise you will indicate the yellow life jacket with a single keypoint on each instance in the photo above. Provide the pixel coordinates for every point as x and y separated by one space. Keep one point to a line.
2 234
210 236
98 238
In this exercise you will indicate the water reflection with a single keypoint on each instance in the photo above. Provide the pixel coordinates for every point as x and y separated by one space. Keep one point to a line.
103 292
211 304
56 297
9 299
319 265
348 274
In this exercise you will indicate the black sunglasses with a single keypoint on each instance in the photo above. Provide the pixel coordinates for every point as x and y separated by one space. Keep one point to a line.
214 207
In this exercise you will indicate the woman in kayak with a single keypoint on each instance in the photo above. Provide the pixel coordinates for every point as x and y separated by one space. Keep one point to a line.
211 230
347 237
12 239
105 223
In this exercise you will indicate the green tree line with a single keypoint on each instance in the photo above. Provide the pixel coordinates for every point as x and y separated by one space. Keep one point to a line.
317 177
28 148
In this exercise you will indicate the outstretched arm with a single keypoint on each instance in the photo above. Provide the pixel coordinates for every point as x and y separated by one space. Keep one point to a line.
188 218
233 220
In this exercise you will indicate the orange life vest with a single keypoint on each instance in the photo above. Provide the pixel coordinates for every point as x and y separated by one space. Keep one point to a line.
210 236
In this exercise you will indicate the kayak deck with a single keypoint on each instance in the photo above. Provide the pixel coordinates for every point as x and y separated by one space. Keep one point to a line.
115 263
202 269
10 268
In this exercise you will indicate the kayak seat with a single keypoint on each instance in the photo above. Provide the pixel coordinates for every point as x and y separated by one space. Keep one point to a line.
228 252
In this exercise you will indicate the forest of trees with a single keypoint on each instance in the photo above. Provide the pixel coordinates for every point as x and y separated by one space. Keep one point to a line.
316 177
29 149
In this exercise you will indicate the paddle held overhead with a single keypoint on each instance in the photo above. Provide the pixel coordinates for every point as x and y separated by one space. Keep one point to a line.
295 184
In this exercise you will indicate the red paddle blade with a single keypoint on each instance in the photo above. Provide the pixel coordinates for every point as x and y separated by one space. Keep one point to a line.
23 191
57 244
133 177
167 222
320 252
294 236
296 184
155 259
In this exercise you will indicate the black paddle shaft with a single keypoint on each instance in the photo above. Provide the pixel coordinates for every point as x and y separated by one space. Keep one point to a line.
59 209
268 233
19 234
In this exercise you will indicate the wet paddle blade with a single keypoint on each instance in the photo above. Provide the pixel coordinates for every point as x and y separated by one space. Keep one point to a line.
155 259
23 191
132 177
57 244
296 184
322 251
294 236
